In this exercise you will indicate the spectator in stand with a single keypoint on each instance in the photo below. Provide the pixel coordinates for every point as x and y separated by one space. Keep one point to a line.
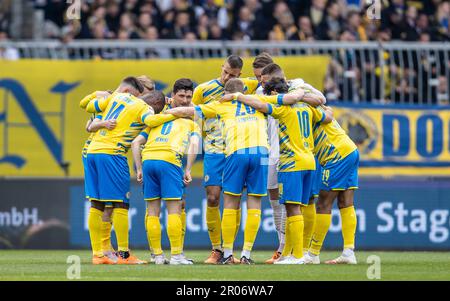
305 32
442 20
331 25
203 27
244 23
112 16
215 32
151 33
145 21
127 26
355 27
316 12
180 27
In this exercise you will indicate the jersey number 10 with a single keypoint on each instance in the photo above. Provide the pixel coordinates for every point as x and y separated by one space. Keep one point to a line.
303 120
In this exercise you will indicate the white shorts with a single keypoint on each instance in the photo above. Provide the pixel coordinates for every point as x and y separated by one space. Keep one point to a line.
274 152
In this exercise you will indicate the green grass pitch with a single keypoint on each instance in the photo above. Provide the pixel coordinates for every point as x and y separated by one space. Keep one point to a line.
51 265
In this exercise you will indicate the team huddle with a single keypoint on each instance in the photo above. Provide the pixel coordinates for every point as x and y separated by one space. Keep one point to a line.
262 135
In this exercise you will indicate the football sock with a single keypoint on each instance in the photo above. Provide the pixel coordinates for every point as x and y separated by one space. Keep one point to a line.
294 227
348 216
277 214
154 234
95 231
309 216
238 222
213 223
174 230
227 252
245 253
146 231
106 236
348 252
323 222
120 222
282 229
229 227
251 228
183 224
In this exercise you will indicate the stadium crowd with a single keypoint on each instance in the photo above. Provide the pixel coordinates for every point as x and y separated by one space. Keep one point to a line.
353 74
248 20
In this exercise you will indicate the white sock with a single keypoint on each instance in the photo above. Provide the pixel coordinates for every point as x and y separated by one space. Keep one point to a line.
227 252
348 252
283 227
277 218
245 253
178 256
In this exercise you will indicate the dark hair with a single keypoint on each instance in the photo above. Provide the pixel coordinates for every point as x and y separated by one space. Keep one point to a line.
183 84
156 99
234 85
276 84
262 60
133 82
271 69
235 61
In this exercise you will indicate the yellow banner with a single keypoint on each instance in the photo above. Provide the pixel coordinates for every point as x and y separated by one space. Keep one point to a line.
42 129
399 140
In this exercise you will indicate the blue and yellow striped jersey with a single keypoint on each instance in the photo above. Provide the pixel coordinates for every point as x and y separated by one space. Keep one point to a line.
295 135
83 104
243 126
331 143
169 141
89 139
131 114
208 92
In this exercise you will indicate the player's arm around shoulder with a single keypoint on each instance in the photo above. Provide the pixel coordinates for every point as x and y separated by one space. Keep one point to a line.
322 114
98 104
329 114
181 112
150 119
97 124
193 150
136 145
310 91
250 100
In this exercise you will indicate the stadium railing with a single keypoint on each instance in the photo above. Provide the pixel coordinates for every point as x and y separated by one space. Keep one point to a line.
394 72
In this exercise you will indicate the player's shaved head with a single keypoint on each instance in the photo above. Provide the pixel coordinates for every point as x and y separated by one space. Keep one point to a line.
235 62
234 85
231 68
149 85
131 85
155 99
273 70
262 60
269 72
276 84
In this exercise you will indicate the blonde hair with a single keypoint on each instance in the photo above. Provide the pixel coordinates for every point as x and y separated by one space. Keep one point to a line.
234 85
146 82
